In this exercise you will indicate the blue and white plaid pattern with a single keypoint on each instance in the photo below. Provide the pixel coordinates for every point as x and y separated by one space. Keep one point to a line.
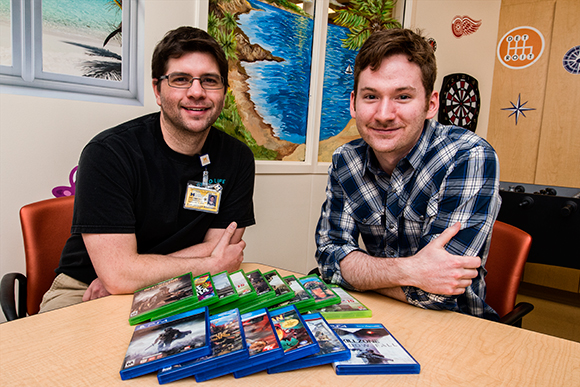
451 175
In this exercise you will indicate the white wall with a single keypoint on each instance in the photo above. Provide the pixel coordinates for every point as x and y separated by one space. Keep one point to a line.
41 138
472 54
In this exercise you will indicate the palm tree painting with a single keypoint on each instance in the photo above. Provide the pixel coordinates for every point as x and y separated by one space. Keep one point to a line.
350 24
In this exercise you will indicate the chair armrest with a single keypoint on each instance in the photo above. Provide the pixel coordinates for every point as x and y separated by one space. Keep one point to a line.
514 317
8 298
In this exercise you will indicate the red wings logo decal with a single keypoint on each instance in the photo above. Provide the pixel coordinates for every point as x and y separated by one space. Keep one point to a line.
464 25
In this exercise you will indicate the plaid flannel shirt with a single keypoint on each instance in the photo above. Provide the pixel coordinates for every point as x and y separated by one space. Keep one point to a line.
451 175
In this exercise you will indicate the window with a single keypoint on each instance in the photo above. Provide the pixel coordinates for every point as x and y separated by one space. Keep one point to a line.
76 49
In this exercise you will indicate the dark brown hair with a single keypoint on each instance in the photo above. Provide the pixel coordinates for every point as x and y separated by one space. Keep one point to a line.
184 40
385 43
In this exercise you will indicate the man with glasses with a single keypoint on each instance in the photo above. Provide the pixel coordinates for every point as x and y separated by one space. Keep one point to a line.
163 194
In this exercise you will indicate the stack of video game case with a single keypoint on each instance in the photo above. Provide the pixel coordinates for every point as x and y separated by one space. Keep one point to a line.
242 323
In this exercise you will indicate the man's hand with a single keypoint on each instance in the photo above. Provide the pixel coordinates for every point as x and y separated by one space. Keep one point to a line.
228 254
95 290
435 270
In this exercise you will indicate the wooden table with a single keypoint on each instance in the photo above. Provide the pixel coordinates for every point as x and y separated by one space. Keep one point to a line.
85 344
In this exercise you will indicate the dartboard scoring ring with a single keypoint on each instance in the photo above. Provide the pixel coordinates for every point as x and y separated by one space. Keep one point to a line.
459 101
571 60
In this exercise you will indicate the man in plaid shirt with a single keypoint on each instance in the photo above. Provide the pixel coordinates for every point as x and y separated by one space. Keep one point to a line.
423 196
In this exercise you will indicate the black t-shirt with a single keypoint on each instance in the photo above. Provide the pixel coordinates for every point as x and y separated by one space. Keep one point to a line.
130 181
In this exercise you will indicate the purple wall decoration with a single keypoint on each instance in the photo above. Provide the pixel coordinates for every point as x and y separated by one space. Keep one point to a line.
66 190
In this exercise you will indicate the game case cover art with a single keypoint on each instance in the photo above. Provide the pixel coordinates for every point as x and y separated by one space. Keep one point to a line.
373 350
302 299
348 307
223 285
291 331
204 287
262 343
322 294
245 294
327 339
260 336
276 283
161 294
173 337
331 347
259 283
228 345
240 282
295 339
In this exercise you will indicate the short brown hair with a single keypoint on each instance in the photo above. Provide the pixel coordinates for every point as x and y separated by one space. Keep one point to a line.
385 43
183 40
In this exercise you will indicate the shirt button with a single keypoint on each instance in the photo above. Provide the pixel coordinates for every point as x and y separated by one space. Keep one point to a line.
422 217
392 227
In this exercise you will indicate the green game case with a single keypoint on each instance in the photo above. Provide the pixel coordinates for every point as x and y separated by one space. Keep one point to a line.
162 297
318 289
282 292
245 290
205 296
302 299
349 306
225 290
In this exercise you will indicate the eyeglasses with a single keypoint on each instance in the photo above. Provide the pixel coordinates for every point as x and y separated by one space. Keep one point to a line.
184 81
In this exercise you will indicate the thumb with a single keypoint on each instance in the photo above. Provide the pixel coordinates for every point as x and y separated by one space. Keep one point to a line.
227 235
447 235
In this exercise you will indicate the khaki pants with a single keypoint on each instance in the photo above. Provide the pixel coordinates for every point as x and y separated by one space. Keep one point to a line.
65 291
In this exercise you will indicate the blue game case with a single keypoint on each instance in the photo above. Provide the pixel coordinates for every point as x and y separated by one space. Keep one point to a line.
162 343
261 339
374 351
331 346
295 337
228 344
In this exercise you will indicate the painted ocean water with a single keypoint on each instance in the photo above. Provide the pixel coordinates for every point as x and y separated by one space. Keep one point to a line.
280 90
92 18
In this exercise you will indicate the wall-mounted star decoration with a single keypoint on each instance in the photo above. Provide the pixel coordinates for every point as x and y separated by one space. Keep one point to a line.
518 108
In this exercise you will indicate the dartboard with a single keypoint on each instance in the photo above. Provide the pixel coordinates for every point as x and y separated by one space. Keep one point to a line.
459 101
571 60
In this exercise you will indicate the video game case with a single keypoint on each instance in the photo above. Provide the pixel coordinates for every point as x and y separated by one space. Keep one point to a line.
262 342
228 346
225 290
282 292
245 290
373 351
162 343
205 295
263 288
171 294
349 307
317 288
295 337
302 299
331 346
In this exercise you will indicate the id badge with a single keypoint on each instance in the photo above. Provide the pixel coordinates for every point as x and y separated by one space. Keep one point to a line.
205 198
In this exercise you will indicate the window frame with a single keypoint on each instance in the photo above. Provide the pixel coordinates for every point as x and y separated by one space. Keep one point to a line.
26 77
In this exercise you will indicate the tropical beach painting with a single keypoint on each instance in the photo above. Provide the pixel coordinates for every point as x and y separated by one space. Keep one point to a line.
82 38
79 37
269 47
